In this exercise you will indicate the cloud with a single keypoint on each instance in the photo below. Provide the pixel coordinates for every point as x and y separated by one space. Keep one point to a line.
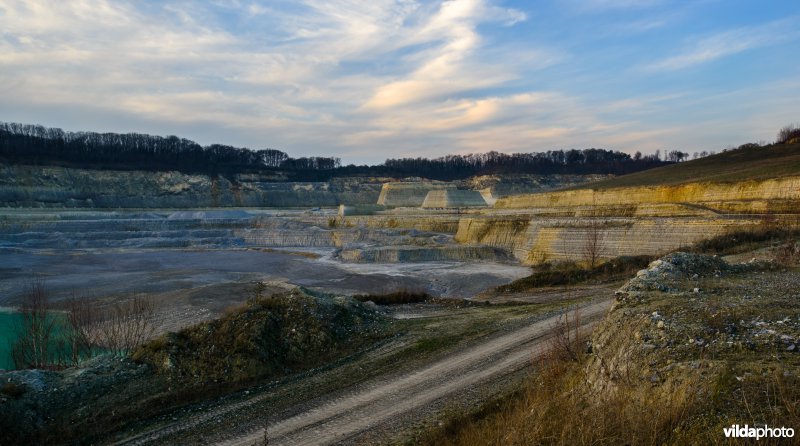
731 42
359 79
611 5
275 66
447 68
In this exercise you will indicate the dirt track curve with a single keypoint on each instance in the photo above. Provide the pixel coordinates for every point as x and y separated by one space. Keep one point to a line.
380 401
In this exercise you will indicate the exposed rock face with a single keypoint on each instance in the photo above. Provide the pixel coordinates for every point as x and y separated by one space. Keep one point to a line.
46 186
539 239
409 194
402 254
784 190
566 225
493 187
453 198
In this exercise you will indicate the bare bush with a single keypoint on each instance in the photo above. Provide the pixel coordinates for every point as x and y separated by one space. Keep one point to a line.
83 317
35 332
49 339
124 326
567 342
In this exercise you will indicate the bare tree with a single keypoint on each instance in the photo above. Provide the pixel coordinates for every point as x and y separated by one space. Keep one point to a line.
83 318
593 242
35 331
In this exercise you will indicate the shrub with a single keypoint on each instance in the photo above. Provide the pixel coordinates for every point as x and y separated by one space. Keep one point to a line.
788 254
403 296
788 134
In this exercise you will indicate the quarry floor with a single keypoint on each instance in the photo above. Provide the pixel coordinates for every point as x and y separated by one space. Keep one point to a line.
195 267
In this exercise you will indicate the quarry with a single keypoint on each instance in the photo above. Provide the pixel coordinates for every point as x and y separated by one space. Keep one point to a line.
369 286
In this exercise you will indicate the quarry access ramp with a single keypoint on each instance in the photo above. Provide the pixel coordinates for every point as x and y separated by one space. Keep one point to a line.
380 401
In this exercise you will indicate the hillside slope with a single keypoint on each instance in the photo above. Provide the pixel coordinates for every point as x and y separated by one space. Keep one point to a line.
746 163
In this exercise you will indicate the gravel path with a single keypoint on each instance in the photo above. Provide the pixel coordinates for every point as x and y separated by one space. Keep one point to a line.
379 402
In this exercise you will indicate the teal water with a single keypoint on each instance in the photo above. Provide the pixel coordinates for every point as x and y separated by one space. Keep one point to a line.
8 333
10 322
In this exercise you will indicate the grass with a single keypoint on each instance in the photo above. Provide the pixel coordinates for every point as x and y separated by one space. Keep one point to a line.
746 163
570 273
736 242
403 296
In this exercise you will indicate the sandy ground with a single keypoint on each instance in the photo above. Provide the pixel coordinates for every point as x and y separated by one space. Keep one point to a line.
193 285
381 402
97 274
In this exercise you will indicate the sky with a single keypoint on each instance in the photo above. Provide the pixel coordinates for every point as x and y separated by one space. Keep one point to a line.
375 79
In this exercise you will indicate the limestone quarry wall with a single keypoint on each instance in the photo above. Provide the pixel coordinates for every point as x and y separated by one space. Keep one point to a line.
784 190
446 223
408 194
46 186
494 187
453 198
546 239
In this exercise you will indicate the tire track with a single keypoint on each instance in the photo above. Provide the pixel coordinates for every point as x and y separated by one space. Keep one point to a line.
379 402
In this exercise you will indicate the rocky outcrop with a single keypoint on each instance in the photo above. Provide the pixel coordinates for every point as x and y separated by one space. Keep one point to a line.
409 194
453 198
47 186
690 323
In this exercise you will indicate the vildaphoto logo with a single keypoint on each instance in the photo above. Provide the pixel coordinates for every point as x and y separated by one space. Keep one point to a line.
757 432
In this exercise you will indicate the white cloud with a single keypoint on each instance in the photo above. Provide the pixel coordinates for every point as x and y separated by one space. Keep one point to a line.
345 77
731 42
278 67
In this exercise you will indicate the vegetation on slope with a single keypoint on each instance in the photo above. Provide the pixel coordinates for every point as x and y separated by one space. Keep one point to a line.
748 162
266 339
694 345
571 273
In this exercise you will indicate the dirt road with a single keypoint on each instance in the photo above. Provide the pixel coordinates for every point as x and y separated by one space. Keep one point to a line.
379 402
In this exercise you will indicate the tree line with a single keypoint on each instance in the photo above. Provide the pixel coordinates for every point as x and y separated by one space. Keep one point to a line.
36 144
